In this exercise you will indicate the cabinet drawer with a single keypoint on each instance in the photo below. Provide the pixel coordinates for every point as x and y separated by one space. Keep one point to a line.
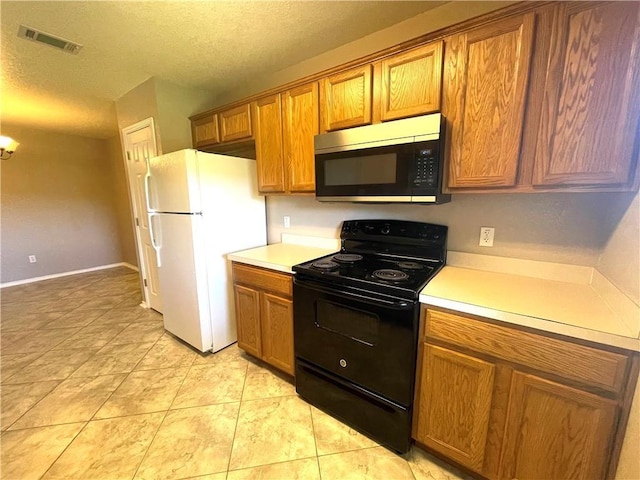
587 365
263 279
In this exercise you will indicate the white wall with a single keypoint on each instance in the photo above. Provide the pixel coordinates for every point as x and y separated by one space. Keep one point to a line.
620 259
58 204
565 228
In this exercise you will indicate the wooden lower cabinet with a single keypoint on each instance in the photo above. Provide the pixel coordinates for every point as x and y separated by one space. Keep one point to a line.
459 387
555 431
504 419
264 314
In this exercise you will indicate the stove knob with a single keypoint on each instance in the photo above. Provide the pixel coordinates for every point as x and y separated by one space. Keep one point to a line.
386 229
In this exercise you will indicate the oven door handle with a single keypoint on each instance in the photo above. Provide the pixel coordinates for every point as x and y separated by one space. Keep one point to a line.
396 305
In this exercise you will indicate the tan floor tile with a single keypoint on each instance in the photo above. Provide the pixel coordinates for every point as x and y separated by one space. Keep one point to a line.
272 430
262 382
211 384
28 321
139 333
106 302
7 339
27 454
213 476
39 340
370 464
333 436
120 315
17 399
74 400
107 449
113 359
427 467
191 442
232 353
306 469
9 364
144 392
77 318
53 365
150 315
66 304
167 353
92 336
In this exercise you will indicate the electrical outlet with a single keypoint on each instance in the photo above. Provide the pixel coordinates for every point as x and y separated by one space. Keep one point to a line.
287 222
32 259
486 236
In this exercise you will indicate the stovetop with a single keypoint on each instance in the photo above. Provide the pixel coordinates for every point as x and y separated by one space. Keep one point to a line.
392 257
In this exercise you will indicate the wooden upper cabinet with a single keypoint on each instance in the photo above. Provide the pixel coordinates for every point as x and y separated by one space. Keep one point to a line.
205 131
591 104
411 82
267 117
453 408
555 431
345 99
235 123
486 80
300 106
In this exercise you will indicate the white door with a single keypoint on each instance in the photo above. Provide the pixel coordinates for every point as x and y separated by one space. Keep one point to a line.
140 146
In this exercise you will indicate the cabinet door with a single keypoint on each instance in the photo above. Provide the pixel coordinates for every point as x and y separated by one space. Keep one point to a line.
592 101
486 79
277 332
267 115
411 82
454 404
248 320
300 126
235 123
556 432
345 99
204 131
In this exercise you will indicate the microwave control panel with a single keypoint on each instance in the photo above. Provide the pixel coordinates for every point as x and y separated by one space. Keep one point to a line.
427 166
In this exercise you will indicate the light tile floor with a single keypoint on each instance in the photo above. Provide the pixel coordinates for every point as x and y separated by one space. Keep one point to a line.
93 387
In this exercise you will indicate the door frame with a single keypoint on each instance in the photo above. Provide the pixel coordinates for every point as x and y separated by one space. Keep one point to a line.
147 122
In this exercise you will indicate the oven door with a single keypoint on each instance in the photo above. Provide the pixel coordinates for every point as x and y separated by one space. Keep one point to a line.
365 338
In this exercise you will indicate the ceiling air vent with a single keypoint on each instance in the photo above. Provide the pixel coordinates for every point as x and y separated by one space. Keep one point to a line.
32 34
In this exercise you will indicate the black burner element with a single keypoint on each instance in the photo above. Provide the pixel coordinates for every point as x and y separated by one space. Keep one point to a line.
410 265
388 274
347 257
325 265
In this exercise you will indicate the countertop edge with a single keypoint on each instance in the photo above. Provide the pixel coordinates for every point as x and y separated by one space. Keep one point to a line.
259 263
564 329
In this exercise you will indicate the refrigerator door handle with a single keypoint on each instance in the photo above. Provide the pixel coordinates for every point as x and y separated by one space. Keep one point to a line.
147 190
154 244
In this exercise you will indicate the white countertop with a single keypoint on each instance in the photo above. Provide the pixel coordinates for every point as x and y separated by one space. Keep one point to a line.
283 256
575 309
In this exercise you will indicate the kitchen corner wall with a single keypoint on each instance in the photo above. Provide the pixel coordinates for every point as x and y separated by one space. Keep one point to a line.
58 204
170 106
620 259
571 228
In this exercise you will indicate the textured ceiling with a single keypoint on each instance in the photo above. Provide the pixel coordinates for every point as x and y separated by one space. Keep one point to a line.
215 45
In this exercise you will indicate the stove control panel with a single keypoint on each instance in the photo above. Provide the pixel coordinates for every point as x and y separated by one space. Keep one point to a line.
400 230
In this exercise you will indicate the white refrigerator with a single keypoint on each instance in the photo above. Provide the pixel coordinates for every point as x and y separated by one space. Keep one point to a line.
201 206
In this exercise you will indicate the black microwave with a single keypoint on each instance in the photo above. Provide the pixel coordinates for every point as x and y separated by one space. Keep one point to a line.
400 161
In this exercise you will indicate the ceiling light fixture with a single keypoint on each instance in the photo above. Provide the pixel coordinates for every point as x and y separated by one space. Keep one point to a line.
7 146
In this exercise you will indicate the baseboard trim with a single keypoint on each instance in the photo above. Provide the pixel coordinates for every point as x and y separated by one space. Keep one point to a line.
65 274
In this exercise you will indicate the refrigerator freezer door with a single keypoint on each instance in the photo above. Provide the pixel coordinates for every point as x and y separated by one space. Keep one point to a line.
173 184
183 279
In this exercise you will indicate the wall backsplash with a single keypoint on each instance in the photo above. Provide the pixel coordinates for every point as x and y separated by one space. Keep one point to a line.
570 228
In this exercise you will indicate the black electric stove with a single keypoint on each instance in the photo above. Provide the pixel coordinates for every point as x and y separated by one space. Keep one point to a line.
391 257
356 316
